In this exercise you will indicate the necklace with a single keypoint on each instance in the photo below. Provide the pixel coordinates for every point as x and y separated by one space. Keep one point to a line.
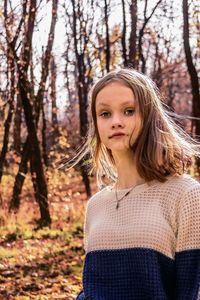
120 199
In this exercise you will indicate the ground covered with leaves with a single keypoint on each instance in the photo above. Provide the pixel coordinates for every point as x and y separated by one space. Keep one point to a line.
45 263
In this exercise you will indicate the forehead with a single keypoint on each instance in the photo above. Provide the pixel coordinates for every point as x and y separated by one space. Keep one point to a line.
115 92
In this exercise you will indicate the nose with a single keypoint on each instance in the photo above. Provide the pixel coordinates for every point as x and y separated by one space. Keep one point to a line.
117 122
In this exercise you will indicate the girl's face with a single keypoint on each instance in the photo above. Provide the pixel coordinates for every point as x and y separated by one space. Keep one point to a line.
118 118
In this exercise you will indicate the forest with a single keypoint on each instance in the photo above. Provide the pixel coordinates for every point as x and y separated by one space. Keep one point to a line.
51 53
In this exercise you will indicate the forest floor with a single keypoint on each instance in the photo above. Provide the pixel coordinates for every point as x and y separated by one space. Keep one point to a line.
46 263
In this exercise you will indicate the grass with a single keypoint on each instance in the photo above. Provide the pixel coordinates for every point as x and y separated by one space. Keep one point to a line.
45 263
8 253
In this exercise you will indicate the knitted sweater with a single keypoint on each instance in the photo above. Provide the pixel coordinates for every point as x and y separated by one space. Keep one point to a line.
148 249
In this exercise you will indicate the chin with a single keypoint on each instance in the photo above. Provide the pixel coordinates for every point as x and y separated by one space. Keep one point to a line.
120 150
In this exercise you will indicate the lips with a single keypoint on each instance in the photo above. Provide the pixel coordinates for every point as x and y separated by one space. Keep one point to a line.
117 134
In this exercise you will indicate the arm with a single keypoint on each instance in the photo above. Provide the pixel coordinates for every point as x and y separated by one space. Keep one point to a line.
187 257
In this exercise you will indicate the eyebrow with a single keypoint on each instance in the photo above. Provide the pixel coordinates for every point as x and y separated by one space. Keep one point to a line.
123 104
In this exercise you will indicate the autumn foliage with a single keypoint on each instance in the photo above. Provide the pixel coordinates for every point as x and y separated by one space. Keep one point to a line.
51 52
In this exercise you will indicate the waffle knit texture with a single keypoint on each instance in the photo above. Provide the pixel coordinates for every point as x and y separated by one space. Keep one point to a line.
147 249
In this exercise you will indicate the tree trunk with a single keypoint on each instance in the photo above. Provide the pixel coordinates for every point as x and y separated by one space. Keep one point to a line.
11 74
35 156
26 152
193 74
133 56
82 93
44 145
54 118
141 34
82 87
20 177
17 125
124 50
6 138
107 49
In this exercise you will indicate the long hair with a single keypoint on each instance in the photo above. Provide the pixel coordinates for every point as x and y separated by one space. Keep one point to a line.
162 147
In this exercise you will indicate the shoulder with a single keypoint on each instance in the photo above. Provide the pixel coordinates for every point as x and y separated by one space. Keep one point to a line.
99 195
98 198
174 187
189 194
184 178
183 183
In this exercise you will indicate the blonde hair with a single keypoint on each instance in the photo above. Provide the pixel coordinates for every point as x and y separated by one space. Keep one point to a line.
162 147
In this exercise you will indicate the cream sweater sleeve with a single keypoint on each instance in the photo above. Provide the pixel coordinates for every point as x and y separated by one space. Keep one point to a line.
187 258
188 220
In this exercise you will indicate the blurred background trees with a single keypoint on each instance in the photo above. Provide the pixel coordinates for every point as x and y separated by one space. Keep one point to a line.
52 51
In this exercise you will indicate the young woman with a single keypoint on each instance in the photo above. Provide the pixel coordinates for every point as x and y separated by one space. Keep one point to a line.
142 230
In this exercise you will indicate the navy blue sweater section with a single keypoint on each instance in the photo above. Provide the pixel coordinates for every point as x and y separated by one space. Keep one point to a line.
140 274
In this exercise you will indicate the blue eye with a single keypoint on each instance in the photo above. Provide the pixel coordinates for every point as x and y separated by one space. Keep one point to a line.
105 114
129 111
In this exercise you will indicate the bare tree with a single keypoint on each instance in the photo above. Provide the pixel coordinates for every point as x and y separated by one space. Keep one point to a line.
54 118
133 59
8 121
107 48
142 31
11 95
81 40
193 73
17 123
31 150
124 44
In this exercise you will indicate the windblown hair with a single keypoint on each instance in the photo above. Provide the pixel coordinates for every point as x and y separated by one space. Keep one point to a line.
162 147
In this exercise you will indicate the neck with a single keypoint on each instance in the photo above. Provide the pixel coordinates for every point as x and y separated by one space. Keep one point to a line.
128 175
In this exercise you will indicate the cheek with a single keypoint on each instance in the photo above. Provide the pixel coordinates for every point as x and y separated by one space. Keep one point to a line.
100 126
102 131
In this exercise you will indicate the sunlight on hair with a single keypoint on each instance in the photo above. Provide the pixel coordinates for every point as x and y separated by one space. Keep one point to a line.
163 148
